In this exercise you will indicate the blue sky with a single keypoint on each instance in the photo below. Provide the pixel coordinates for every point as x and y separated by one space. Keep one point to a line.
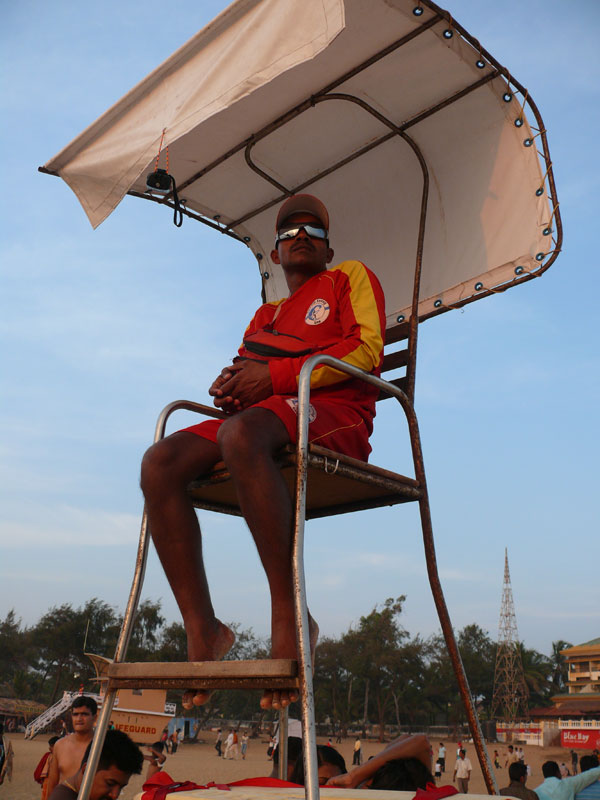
99 330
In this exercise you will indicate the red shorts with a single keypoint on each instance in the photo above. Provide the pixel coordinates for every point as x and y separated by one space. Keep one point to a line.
334 425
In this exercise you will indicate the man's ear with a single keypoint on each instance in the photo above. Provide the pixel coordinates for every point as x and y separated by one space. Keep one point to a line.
330 255
275 256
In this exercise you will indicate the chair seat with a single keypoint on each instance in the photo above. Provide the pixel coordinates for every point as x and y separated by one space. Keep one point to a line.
337 484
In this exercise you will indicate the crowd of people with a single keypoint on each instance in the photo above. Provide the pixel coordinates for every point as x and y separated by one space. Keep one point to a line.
406 764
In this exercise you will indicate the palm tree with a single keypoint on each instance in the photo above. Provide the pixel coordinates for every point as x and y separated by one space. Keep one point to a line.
559 665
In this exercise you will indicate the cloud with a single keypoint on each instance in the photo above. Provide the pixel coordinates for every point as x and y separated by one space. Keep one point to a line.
65 526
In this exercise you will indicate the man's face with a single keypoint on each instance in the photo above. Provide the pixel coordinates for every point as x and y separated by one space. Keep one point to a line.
83 720
108 783
303 253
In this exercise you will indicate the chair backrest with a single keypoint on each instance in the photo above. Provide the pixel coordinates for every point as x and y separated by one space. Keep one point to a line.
396 358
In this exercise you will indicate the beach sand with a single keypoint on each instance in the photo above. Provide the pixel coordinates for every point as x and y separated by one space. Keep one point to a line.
199 763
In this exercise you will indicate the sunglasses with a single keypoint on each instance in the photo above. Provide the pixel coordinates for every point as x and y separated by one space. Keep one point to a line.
290 232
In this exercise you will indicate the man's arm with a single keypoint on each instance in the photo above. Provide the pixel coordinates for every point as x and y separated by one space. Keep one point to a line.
53 775
416 746
579 782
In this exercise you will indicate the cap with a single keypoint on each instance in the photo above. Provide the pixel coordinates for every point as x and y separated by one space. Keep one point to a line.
303 202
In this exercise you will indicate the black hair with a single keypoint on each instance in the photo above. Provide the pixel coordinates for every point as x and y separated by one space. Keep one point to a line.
588 762
550 769
325 755
118 750
294 750
53 740
88 702
160 746
517 771
403 775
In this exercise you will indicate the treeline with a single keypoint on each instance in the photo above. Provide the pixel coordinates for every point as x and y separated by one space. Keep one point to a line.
375 671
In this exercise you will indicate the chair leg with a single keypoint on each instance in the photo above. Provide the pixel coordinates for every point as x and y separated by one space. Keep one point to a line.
305 665
283 745
457 665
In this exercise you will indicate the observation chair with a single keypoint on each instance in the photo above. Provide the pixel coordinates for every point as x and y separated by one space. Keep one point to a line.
350 80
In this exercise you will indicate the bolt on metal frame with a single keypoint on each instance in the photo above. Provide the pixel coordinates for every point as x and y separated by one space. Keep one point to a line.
405 398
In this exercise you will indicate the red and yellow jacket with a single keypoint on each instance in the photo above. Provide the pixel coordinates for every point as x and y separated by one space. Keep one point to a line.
341 312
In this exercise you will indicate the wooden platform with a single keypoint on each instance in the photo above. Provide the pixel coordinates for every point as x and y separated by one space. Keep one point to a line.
258 674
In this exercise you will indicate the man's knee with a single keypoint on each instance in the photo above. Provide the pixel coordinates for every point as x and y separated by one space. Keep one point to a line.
177 459
252 432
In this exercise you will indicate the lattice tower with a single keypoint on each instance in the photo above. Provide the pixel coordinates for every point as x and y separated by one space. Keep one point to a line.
510 690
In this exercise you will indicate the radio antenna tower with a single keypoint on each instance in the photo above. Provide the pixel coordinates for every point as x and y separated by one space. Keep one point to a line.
510 691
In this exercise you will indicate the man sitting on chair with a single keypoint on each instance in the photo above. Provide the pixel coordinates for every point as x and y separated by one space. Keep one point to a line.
337 311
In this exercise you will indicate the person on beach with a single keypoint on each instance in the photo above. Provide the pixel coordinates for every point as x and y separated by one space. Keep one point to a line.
441 757
330 764
356 755
591 792
511 757
245 739
404 765
69 750
228 744
337 311
462 772
42 771
156 758
555 787
517 773
219 742
119 760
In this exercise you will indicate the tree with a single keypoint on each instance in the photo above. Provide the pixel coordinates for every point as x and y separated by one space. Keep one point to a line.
558 663
375 656
478 654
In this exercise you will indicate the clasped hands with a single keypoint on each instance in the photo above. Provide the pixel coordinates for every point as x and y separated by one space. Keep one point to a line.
241 385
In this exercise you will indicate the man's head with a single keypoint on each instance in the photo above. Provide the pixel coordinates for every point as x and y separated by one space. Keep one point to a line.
119 760
517 772
83 714
462 753
510 748
294 753
550 769
588 762
302 241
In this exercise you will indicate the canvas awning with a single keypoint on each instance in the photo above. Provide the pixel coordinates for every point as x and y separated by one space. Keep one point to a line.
279 96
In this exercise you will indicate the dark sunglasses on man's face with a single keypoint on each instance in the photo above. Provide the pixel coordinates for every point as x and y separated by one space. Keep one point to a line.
291 231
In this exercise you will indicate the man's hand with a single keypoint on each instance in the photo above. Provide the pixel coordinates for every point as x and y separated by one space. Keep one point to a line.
226 402
241 385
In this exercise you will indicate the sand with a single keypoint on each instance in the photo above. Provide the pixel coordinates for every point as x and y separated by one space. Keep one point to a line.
199 763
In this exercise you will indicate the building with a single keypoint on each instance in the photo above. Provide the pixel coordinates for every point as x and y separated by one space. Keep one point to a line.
576 712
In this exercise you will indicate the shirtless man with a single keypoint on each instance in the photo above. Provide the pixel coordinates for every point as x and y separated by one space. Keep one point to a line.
338 311
119 760
69 751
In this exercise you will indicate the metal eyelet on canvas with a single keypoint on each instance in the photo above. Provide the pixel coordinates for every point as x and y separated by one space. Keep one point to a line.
478 286
400 318
518 122
519 270
437 303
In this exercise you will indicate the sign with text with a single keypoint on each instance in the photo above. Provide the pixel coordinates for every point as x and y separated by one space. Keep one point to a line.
585 739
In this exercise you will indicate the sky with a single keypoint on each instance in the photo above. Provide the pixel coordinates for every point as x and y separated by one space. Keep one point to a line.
101 329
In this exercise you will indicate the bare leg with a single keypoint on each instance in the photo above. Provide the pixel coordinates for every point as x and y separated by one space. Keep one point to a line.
248 443
167 468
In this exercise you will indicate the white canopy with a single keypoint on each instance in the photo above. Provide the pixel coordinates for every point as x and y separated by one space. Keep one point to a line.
260 89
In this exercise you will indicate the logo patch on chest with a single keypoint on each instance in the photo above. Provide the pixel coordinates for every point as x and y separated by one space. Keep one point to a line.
318 311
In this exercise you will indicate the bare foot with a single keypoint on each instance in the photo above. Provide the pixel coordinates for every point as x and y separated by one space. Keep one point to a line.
280 648
211 648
